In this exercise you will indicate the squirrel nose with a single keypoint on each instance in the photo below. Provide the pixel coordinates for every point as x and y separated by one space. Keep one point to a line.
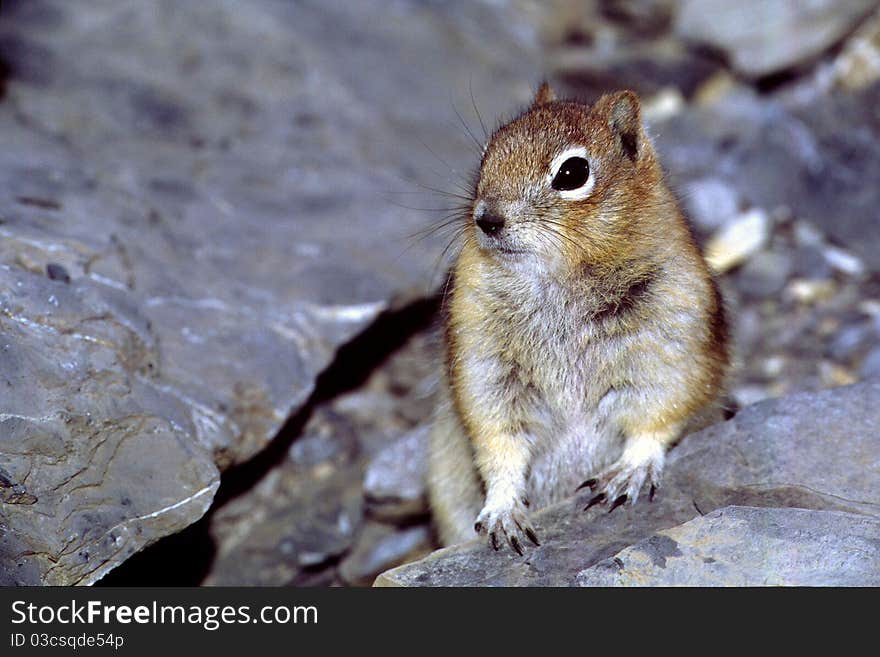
489 222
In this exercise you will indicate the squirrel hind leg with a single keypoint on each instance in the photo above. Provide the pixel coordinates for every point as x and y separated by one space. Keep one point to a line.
455 492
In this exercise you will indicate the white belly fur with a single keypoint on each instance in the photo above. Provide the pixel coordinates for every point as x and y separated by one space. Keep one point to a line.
580 448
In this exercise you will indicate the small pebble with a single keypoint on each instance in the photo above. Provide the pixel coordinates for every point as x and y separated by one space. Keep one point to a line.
765 274
828 326
738 240
833 374
715 89
809 291
806 234
750 394
843 261
663 105
57 272
710 203
773 366
870 307
847 341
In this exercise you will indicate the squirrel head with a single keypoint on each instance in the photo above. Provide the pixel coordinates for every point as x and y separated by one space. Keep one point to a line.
566 182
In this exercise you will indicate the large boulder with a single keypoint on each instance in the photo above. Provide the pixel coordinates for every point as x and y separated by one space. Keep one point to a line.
762 37
192 220
810 451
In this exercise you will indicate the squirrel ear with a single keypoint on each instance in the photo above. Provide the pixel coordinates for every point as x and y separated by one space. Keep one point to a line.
544 95
624 115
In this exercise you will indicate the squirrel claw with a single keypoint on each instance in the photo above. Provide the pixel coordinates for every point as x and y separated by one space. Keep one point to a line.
620 500
589 483
514 543
598 499
623 482
509 525
532 536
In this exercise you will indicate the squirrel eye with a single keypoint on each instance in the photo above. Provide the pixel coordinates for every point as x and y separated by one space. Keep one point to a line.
573 173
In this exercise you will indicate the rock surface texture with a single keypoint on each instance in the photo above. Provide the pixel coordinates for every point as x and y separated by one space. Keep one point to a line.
748 546
179 189
809 451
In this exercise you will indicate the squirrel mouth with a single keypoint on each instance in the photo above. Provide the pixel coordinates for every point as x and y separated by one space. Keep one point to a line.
499 244
501 248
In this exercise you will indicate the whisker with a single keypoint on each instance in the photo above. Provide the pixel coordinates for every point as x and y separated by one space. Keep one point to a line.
435 209
448 251
449 276
467 129
428 231
455 172
476 109
439 192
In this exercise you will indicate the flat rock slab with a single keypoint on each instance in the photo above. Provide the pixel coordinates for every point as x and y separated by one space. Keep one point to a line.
810 451
199 202
748 546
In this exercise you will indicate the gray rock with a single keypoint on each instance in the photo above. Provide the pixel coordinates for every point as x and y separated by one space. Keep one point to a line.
646 69
795 158
646 17
394 483
307 511
710 203
300 525
811 451
747 546
849 340
206 176
764 274
96 458
870 368
761 37
380 547
282 531
696 144
833 195
809 262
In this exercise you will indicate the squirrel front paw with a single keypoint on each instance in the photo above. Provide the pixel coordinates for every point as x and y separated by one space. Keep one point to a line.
506 522
641 465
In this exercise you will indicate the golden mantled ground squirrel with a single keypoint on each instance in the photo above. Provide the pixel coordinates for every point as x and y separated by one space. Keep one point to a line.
584 333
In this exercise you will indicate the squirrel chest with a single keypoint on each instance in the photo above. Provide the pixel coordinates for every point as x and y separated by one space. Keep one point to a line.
530 342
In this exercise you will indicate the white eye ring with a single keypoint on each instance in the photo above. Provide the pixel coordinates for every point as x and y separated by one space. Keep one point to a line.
584 190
